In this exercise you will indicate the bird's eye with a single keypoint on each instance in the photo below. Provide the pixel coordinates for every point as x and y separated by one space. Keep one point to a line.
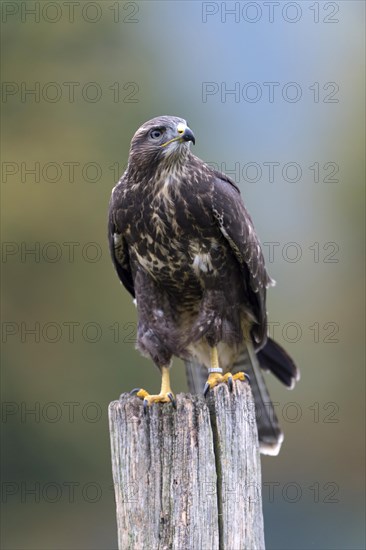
155 134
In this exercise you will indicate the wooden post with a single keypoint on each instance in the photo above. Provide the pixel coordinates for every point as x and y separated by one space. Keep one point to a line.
188 478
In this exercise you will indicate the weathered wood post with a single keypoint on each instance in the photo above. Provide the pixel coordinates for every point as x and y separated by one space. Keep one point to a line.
190 478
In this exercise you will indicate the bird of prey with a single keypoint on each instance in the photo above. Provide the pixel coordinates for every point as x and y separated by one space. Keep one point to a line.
184 245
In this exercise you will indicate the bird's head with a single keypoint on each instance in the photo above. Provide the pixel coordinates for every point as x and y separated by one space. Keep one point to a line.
163 141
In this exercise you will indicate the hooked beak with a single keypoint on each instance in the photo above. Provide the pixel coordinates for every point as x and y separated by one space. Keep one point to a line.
188 135
184 134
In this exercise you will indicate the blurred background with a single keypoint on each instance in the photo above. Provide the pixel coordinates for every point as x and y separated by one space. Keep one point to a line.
274 93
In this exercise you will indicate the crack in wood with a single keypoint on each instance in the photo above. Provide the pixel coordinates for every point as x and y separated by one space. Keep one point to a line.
218 465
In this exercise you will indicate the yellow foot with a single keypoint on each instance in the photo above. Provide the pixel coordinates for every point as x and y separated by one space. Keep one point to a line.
165 395
159 398
215 378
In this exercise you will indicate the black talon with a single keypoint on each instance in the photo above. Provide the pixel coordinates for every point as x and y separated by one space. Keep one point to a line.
247 377
206 388
135 390
145 406
172 399
230 383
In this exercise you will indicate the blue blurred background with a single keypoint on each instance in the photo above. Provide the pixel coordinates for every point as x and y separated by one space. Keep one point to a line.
291 133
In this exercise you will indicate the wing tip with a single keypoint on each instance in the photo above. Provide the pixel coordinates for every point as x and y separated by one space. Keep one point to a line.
294 379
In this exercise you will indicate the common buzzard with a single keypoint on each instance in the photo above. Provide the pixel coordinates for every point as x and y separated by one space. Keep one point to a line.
184 245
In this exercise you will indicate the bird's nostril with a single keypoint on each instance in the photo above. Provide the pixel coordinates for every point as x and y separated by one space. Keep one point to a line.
181 128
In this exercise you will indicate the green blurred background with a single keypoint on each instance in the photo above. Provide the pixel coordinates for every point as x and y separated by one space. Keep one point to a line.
100 69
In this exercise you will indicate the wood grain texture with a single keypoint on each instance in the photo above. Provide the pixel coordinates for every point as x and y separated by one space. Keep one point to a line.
187 478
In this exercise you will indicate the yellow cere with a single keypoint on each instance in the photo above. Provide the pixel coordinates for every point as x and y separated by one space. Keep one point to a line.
181 127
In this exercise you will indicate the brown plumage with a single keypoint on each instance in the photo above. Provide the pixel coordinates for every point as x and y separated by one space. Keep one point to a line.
185 247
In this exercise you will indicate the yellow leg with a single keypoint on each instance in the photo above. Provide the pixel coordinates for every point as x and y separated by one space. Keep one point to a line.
215 373
165 395
214 358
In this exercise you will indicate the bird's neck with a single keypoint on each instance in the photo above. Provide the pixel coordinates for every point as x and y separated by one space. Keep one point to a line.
156 170
175 166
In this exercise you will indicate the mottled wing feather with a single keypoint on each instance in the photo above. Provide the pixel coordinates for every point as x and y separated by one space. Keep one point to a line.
118 246
237 227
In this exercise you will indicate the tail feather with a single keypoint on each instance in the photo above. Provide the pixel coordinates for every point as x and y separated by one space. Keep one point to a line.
196 376
270 435
272 357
